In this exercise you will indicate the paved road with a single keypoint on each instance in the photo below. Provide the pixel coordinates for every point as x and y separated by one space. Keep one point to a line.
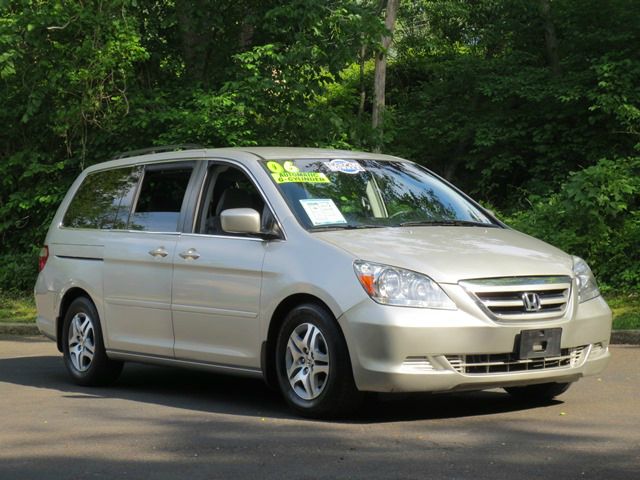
166 423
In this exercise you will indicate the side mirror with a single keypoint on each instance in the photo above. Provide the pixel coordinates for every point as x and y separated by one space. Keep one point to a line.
240 220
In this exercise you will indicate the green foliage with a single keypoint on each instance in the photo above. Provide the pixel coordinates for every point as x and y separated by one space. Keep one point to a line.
595 215
16 308
72 62
475 90
626 311
478 101
18 271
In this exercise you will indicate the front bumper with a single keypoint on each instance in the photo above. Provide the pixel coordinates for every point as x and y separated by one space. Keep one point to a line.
396 349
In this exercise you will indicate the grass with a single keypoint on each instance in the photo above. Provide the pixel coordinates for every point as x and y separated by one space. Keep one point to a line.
17 308
20 308
626 311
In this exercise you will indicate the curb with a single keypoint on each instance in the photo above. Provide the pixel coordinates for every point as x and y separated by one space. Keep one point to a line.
625 337
618 337
19 329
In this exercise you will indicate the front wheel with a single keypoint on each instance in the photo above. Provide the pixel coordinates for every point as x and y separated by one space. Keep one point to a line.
313 366
83 346
542 392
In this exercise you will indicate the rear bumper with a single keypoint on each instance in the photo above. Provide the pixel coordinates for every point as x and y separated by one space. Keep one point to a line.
46 301
395 349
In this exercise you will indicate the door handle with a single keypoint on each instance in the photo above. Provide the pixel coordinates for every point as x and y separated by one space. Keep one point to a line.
190 254
158 252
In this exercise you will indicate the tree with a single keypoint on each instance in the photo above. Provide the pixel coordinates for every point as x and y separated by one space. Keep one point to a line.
550 37
380 77
506 99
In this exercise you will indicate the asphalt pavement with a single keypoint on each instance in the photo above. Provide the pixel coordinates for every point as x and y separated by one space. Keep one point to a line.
157 423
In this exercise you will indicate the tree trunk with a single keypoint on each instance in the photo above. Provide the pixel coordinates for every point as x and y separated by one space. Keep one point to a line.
381 71
363 92
458 155
193 38
550 38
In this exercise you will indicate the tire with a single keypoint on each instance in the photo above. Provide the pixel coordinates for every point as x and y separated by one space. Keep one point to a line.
81 333
543 392
317 382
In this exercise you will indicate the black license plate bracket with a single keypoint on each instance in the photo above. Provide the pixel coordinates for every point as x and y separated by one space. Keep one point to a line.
539 343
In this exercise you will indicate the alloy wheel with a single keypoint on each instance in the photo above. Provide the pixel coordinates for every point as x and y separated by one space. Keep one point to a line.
307 361
81 342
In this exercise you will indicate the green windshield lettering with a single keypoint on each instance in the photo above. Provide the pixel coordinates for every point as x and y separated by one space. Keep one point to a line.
300 177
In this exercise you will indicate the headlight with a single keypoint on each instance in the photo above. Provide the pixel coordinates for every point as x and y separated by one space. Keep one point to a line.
397 286
587 286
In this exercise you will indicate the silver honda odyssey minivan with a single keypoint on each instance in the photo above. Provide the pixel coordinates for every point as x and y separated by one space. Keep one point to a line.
328 273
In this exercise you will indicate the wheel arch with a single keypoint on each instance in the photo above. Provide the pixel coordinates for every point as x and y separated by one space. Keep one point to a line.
277 318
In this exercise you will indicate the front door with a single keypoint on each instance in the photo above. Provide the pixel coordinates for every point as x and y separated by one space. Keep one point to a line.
217 278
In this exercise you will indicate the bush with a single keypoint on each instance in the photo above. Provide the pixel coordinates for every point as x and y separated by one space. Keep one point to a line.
595 215
18 272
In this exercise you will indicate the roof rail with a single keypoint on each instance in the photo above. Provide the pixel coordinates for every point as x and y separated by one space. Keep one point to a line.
160 149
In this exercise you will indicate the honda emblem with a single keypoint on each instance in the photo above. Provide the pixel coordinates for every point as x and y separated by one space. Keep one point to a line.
531 302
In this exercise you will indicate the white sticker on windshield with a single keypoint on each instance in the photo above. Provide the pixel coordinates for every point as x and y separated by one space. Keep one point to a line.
322 211
345 166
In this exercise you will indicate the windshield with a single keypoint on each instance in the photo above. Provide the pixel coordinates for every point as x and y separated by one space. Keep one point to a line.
338 193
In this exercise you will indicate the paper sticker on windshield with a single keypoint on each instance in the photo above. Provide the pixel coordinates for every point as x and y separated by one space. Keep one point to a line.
300 177
345 166
322 211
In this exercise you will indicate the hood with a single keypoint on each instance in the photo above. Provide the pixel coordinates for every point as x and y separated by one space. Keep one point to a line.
450 254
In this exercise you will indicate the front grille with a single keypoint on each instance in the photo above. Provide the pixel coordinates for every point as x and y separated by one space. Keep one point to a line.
509 362
418 364
521 298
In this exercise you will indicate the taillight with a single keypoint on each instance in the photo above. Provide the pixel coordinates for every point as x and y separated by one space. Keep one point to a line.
44 256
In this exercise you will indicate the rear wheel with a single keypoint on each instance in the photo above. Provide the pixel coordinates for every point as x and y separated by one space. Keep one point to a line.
313 366
83 346
538 393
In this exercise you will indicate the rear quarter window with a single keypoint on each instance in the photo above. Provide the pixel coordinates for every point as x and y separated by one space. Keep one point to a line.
103 200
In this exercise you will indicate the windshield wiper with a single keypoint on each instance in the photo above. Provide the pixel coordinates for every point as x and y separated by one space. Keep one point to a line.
341 226
447 223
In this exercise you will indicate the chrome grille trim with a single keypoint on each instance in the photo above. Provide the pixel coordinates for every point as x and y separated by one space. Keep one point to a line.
502 298
418 363
597 349
484 364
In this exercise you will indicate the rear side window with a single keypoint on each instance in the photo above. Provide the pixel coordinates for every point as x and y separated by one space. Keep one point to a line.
103 200
160 199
